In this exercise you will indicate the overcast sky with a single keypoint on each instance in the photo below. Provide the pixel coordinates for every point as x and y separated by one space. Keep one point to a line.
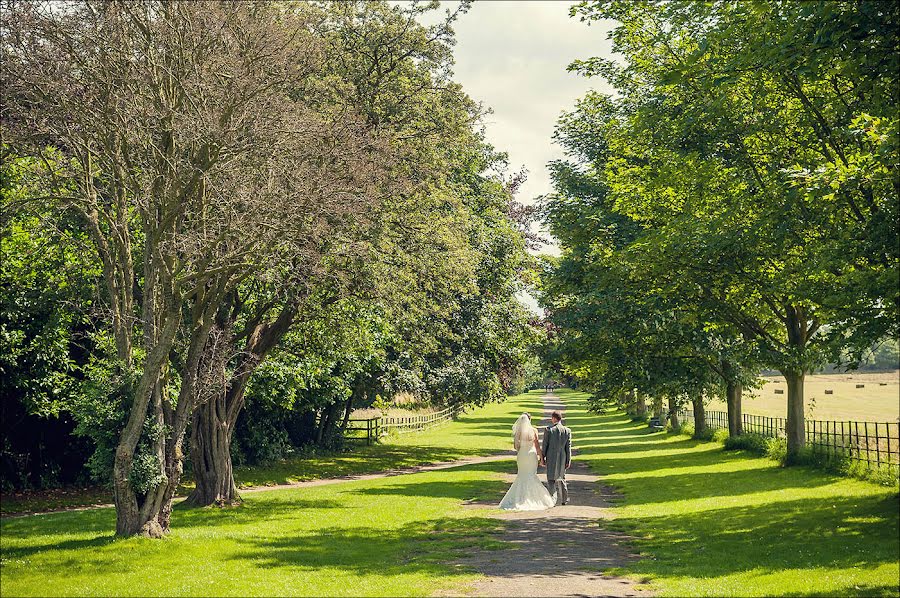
512 55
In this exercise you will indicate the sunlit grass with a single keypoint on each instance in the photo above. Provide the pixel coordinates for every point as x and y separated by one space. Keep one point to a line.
715 523
392 536
482 431
706 522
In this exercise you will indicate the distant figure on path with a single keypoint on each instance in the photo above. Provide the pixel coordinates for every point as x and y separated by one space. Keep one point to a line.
557 451
526 493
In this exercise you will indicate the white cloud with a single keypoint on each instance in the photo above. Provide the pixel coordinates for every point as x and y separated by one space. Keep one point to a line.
513 57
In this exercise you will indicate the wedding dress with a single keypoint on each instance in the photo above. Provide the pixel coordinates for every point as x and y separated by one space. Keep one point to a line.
527 493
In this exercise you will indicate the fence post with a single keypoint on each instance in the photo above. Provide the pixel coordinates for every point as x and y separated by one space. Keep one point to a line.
877 446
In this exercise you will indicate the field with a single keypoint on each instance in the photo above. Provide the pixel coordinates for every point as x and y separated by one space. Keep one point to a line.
878 401
705 521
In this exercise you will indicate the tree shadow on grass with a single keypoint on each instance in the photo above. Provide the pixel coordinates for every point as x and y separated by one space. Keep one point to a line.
250 512
830 532
420 547
782 531
92 520
470 491
376 459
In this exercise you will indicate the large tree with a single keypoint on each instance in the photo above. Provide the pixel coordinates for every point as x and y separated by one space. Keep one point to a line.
753 144
194 142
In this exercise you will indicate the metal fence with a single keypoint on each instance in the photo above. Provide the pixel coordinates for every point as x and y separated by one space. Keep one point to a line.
370 429
872 443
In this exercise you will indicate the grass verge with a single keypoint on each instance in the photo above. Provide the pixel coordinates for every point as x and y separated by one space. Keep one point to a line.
710 522
482 431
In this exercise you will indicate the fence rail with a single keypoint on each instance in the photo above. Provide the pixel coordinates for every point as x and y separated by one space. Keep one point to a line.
872 443
375 427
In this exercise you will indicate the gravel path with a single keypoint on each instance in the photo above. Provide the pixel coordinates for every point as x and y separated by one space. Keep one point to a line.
558 552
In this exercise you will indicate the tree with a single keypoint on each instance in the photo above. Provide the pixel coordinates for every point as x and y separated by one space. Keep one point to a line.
176 133
730 119
393 72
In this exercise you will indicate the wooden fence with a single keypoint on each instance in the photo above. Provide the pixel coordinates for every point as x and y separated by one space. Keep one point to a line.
873 443
371 429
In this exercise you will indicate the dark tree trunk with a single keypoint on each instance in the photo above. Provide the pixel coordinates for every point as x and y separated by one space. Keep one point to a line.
699 417
327 425
733 391
214 421
211 451
796 428
673 413
640 404
348 409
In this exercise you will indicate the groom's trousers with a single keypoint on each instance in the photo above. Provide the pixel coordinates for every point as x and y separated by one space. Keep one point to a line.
560 490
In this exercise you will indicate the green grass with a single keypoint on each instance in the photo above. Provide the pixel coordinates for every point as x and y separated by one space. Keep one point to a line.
483 431
392 536
380 537
714 522
707 522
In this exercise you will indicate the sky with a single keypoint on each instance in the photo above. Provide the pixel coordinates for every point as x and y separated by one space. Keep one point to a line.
512 56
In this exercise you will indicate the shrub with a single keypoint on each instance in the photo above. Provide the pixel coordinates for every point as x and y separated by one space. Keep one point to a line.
720 435
754 443
687 429
776 449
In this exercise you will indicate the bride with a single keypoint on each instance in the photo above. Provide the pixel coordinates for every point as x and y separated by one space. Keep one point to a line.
527 493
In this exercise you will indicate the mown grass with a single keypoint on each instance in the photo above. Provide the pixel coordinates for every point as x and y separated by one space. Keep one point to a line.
385 537
482 431
706 522
391 536
711 522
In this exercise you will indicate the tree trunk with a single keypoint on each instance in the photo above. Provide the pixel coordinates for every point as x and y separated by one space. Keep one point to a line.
327 425
214 421
348 409
733 391
211 453
673 413
133 515
699 417
640 404
658 408
796 430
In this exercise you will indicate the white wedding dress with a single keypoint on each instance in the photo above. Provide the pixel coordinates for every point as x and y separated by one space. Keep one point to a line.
527 493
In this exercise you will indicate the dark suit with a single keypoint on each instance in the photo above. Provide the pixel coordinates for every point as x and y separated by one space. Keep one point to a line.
557 448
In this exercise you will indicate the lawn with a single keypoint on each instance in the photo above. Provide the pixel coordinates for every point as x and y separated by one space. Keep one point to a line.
392 536
877 401
706 521
712 522
482 431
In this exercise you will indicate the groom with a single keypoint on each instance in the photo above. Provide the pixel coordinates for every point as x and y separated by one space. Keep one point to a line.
557 451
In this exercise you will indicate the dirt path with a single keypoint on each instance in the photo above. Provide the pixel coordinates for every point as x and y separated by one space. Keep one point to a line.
309 483
558 552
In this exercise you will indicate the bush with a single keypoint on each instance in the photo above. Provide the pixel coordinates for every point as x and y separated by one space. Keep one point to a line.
720 435
754 443
686 429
